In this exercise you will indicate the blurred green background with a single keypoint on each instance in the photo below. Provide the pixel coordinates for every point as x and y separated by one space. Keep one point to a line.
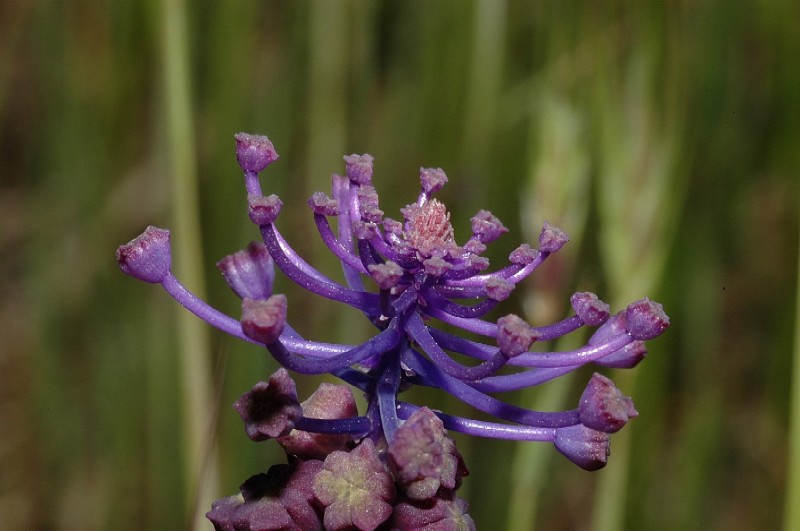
663 138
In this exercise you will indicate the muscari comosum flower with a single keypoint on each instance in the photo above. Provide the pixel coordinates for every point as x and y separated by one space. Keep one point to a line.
420 275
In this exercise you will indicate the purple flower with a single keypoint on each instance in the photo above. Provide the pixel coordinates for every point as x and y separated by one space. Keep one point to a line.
423 458
148 256
355 489
270 409
415 281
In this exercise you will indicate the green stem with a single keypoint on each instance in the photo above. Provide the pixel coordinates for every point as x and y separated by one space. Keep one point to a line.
791 507
200 465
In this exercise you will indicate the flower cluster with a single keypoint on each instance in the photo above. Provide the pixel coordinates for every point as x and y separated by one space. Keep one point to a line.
394 465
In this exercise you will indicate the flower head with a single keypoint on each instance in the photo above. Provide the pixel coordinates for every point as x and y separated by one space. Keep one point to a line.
407 277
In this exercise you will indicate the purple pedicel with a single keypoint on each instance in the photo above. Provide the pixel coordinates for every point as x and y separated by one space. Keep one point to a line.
408 278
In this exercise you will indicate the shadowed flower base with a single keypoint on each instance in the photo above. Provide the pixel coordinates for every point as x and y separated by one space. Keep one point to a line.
394 466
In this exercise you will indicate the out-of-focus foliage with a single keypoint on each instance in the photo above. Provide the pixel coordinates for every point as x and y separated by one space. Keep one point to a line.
665 138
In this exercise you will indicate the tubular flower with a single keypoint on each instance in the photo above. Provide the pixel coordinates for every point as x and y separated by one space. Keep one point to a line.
407 277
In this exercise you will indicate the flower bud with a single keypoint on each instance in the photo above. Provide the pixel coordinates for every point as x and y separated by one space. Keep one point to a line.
591 310
551 239
603 407
254 152
359 168
249 273
432 179
523 255
387 275
329 401
487 227
322 204
587 448
625 358
148 256
263 210
646 319
514 335
498 289
263 320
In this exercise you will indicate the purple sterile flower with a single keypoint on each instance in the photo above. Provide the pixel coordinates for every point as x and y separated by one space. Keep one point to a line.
355 489
603 407
587 448
514 336
432 179
249 273
447 513
646 319
591 310
552 239
359 168
148 256
263 319
263 210
254 152
423 458
270 409
628 356
280 500
419 286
